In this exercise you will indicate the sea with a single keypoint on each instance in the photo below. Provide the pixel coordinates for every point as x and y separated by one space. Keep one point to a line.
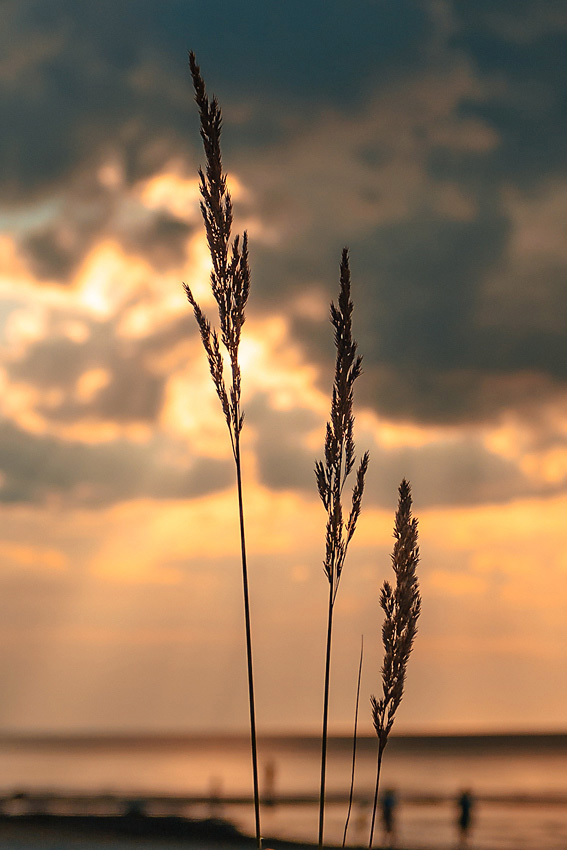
518 784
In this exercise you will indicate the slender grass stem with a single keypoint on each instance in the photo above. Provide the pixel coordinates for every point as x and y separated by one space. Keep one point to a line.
251 698
324 735
230 283
375 803
351 794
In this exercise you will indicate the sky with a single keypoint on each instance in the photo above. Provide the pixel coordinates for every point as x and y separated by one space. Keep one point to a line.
428 136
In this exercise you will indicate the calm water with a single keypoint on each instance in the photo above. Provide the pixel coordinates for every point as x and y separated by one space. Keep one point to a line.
498 770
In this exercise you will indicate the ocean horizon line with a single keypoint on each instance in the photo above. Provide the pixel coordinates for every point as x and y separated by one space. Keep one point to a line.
158 738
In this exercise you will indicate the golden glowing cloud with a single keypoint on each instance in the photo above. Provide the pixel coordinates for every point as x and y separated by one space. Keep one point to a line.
34 557
90 383
191 408
171 191
515 550
107 276
396 435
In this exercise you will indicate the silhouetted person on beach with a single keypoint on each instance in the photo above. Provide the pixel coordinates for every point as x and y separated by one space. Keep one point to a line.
388 803
215 796
269 782
464 818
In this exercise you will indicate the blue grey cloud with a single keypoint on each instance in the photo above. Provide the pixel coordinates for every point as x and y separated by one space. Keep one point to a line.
36 469
80 84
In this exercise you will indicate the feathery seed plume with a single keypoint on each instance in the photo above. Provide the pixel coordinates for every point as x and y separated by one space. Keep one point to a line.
331 475
230 283
401 606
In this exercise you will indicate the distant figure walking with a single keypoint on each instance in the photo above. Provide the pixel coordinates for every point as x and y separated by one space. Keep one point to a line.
464 816
388 804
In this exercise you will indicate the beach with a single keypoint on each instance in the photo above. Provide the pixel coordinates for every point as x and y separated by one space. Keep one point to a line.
60 835
518 784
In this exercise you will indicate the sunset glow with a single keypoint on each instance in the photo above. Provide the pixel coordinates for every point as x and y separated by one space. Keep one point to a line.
436 165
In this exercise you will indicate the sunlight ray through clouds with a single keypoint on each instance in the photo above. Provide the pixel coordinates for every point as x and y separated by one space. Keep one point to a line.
434 150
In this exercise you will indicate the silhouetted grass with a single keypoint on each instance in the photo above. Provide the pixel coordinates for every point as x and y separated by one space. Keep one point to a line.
331 476
353 768
230 283
401 606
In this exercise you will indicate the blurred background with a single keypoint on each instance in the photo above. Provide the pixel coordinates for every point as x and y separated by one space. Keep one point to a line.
429 137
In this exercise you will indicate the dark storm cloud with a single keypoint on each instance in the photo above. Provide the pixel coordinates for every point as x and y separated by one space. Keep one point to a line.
425 273
35 469
521 49
416 287
78 94
84 83
428 354
82 79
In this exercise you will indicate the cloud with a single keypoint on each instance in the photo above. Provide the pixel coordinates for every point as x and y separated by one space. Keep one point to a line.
525 294
520 49
405 153
450 302
77 99
95 207
405 149
284 461
36 558
459 472
452 468
516 21
67 365
129 393
112 76
426 136
38 469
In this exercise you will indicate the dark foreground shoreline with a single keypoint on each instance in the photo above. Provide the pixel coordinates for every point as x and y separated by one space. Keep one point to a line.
131 831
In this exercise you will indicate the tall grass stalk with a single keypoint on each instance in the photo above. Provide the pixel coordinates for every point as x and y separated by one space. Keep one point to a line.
401 606
331 475
354 740
230 282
